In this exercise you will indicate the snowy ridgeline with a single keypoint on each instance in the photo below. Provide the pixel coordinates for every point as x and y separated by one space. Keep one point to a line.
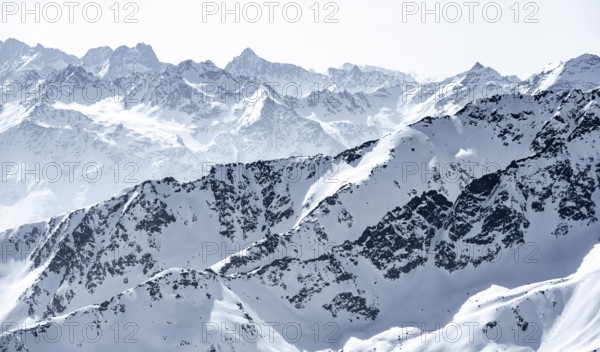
475 231
76 131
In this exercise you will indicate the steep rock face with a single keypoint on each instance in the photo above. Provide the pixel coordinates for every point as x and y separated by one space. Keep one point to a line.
400 241
118 242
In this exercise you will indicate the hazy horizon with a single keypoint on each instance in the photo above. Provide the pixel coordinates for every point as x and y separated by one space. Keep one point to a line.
394 36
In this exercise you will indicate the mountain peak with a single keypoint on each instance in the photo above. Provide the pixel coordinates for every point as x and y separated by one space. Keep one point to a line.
209 63
246 59
477 66
347 66
355 68
188 64
144 46
587 56
95 52
247 53
590 59
479 70
125 60
13 43
140 47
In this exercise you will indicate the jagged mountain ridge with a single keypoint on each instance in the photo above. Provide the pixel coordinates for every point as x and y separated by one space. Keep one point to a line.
370 257
161 120
139 113
578 73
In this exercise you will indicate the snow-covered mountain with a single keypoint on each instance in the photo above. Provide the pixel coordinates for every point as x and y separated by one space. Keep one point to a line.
97 60
125 61
296 81
17 57
366 79
164 120
553 315
486 220
188 207
121 62
582 72
285 78
451 94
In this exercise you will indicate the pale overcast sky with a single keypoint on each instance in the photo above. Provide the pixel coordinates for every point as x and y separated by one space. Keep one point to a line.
367 32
